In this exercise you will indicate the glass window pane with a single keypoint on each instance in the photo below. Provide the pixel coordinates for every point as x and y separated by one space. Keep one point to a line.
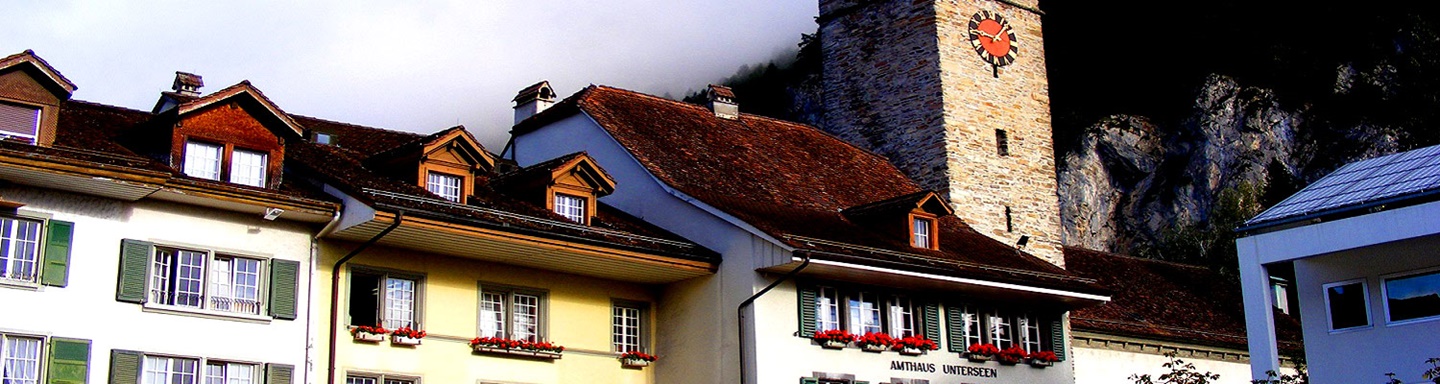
1413 297
827 310
399 303
492 314
359 380
19 249
248 167
527 317
19 360
902 317
626 326
1347 305
920 238
202 160
445 186
572 207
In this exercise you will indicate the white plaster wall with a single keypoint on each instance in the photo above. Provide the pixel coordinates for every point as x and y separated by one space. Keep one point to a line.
87 309
1106 366
1366 354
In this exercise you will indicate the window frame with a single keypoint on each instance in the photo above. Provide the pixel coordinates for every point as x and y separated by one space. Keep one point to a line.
224 171
932 226
41 351
234 152
583 206
37 264
642 327
382 378
210 255
1329 314
219 160
509 293
34 136
202 364
1385 295
432 175
417 313
843 311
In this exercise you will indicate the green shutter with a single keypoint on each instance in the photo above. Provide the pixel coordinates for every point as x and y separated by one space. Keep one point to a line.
861 382
1057 336
955 328
57 253
134 270
69 361
807 310
931 314
809 380
284 276
279 373
124 367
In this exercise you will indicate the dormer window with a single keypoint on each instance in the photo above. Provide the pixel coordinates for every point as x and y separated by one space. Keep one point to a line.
206 161
446 186
248 168
572 207
202 160
19 121
922 232
324 138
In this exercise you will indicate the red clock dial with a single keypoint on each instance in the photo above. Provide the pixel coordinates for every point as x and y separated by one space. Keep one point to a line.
993 39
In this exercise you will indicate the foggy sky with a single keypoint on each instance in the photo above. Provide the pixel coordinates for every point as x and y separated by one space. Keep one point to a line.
418 66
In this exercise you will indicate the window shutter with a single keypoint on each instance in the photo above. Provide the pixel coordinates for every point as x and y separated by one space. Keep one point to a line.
57 253
931 314
1057 337
19 119
69 361
124 367
134 270
955 328
284 276
809 380
279 373
807 311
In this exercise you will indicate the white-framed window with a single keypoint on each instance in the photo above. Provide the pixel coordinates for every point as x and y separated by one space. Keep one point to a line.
864 313
443 185
1347 305
386 298
626 330
973 330
360 378
922 232
19 249
169 370
902 317
512 313
827 309
1001 333
178 277
19 359
19 121
1412 297
202 160
570 206
248 167
1028 328
219 372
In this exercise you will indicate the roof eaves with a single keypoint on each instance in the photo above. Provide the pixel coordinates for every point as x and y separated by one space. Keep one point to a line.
31 58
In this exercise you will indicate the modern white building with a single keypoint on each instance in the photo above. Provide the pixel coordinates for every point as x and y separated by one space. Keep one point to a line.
156 247
1362 242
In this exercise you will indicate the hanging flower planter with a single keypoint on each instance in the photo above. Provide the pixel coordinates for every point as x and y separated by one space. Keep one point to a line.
833 339
636 359
368 334
980 353
406 336
1042 359
1011 356
499 346
914 345
875 342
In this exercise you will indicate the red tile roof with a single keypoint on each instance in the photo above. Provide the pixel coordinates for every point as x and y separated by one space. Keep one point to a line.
792 181
1167 301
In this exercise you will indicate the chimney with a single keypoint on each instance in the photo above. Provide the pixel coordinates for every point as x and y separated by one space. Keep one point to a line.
187 84
722 101
532 100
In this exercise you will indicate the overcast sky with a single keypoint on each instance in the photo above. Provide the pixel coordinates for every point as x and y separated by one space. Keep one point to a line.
419 66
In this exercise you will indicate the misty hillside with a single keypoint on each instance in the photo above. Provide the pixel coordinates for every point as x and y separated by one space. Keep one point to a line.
1176 121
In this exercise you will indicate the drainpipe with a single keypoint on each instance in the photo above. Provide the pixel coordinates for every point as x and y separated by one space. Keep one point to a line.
740 311
335 289
310 293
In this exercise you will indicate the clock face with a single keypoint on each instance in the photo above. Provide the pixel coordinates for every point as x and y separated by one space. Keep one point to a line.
993 39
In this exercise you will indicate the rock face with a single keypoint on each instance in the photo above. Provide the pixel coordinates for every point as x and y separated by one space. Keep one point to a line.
1129 181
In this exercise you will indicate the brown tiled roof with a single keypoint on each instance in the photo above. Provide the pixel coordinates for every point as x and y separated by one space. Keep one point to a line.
1167 301
791 181
43 66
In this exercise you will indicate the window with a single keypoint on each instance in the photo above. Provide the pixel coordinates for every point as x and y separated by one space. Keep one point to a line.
972 324
446 186
1001 334
827 309
1413 297
19 360
19 121
1347 304
19 249
1002 143
511 313
170 370
570 206
972 330
922 232
387 299
324 138
902 317
202 160
126 366
377 379
178 277
248 168
1029 331
229 373
864 312
627 327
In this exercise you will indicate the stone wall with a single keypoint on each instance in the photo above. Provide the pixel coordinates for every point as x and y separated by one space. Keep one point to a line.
901 78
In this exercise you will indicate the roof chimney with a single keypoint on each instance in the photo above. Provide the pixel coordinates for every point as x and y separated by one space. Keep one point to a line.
722 101
532 100
187 84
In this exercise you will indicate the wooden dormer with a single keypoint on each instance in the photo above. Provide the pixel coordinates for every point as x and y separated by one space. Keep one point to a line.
30 95
569 185
913 218
453 153
234 135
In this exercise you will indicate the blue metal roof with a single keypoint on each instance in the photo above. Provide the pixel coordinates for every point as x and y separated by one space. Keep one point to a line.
1385 178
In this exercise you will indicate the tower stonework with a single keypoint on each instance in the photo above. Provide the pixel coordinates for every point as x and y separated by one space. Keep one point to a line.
902 78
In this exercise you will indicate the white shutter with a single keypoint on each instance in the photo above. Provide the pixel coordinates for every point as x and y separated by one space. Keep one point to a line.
19 120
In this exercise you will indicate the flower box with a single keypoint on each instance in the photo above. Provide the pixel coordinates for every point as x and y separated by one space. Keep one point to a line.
911 351
1011 356
634 363
369 337
873 348
403 340
636 359
978 358
833 339
832 344
1040 363
914 345
547 355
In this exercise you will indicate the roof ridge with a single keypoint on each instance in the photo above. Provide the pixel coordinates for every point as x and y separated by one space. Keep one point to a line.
99 104
1137 258
353 124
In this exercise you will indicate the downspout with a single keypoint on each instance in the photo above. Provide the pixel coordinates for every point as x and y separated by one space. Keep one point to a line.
740 311
310 293
335 290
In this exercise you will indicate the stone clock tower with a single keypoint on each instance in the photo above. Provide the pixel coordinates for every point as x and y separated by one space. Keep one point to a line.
954 93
